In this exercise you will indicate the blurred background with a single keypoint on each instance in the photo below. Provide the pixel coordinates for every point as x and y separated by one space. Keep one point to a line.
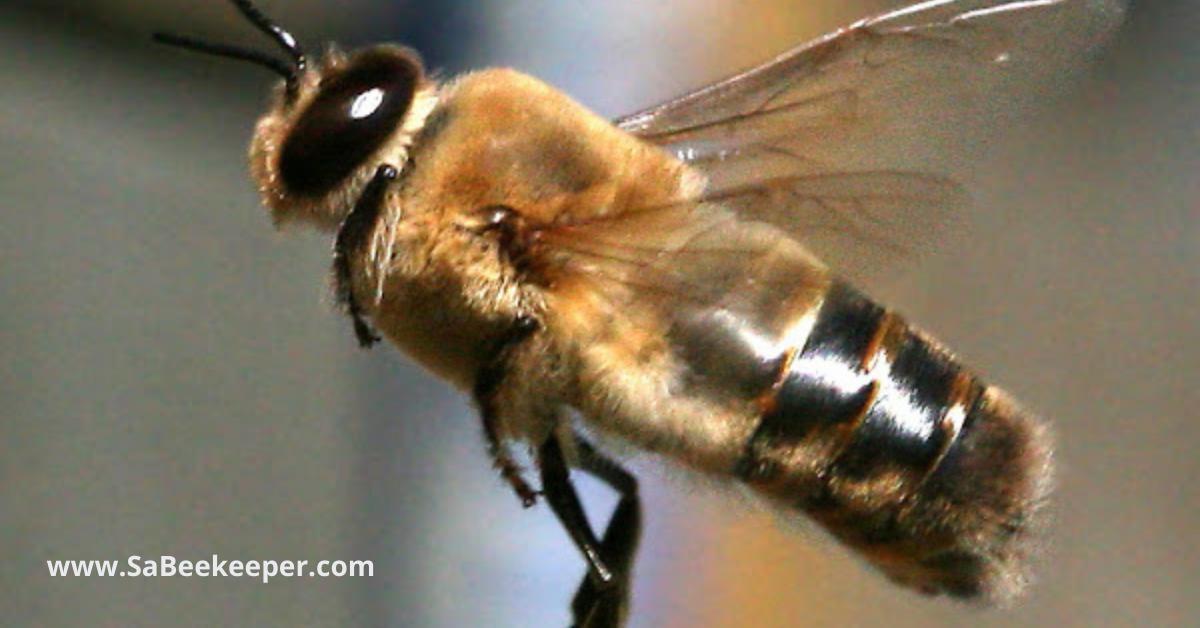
174 380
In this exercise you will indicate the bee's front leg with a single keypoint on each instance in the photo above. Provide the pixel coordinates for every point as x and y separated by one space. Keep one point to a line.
351 237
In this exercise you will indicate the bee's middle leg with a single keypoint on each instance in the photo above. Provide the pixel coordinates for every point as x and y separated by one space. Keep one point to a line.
488 384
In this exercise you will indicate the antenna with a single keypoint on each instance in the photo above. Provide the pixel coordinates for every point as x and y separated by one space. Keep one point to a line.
285 40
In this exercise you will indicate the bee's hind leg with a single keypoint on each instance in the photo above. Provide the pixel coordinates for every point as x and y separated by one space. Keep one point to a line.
602 598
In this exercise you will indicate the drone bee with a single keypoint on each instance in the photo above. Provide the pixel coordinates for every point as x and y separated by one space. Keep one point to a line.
665 281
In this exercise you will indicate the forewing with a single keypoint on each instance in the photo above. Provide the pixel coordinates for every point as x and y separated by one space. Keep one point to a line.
681 262
669 254
853 143
856 222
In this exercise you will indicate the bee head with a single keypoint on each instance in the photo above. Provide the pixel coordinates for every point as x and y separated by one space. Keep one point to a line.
331 124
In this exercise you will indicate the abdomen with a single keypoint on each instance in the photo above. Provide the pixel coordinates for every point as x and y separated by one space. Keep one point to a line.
879 434
739 354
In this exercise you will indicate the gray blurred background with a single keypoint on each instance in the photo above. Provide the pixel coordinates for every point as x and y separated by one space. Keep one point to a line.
174 380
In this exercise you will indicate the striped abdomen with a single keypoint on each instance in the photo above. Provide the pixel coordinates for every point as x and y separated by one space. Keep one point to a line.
879 434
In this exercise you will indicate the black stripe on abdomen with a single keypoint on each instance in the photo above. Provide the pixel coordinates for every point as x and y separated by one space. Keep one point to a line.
864 396
823 386
883 438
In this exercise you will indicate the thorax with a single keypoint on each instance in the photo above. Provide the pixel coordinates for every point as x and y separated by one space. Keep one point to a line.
433 279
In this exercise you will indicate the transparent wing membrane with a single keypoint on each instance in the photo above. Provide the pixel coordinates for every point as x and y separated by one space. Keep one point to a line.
852 143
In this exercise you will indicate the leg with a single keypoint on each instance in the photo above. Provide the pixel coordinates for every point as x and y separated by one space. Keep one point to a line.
592 607
509 470
560 494
487 384
602 597
351 237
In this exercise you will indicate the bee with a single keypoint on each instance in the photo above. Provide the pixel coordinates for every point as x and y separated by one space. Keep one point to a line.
677 280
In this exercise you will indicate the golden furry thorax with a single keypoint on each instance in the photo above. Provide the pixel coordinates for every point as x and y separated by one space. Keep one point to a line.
327 210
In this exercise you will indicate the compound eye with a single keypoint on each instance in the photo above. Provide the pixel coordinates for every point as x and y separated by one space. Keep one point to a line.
355 112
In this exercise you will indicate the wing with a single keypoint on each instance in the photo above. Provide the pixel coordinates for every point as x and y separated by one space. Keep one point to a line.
694 275
826 141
